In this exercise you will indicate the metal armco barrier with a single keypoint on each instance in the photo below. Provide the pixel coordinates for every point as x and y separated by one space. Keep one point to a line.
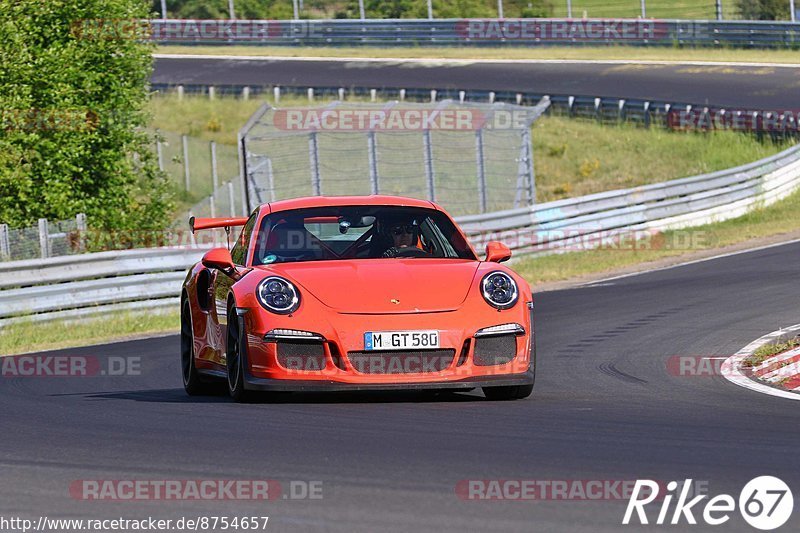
90 284
775 123
465 32
693 201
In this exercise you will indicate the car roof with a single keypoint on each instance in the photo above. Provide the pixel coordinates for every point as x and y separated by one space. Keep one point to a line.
335 201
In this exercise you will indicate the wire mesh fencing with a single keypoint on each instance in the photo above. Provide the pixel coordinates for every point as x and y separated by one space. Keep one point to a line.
469 157
46 239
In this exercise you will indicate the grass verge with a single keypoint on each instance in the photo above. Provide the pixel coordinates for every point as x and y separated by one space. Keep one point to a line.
30 336
590 53
770 350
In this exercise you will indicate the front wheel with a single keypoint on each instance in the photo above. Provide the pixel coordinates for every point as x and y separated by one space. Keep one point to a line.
513 392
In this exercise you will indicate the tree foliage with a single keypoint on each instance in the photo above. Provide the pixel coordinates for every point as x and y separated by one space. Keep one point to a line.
282 9
72 105
763 9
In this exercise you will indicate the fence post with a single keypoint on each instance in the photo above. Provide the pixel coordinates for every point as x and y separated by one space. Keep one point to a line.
212 206
160 155
481 166
230 199
276 94
180 92
80 221
647 114
644 9
621 111
5 248
569 9
44 239
246 93
429 171
241 145
372 154
270 180
185 142
212 92
313 156
527 160
214 175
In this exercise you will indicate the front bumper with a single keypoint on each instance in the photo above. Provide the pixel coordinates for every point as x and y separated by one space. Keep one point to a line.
264 370
299 385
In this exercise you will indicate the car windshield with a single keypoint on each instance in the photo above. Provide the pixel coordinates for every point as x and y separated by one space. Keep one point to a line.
358 232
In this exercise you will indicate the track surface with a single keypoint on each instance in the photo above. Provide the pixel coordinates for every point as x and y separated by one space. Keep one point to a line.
728 86
604 408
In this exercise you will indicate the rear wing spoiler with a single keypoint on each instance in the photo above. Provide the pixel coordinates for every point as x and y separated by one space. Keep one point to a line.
209 223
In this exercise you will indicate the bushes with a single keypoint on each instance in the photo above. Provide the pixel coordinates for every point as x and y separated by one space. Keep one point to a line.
72 105
282 9
763 9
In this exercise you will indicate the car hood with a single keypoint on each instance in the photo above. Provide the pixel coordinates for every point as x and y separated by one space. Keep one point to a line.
384 286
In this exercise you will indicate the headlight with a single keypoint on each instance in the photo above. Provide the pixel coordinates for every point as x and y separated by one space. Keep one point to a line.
499 290
278 295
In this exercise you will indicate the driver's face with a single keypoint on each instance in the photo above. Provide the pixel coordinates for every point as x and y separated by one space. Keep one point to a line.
403 235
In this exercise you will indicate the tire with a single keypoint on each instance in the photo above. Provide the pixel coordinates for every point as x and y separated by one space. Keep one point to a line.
234 361
514 392
193 382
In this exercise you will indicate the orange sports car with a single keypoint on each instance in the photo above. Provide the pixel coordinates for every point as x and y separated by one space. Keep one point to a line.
355 293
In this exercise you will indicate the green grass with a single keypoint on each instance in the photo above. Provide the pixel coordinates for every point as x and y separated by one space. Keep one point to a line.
660 9
769 350
30 336
780 218
507 52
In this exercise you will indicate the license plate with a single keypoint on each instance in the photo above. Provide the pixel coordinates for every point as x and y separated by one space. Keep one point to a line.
401 340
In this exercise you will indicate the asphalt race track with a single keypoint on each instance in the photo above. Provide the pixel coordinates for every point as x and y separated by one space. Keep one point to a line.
604 408
747 87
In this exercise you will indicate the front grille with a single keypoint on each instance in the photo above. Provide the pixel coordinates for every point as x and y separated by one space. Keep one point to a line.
497 350
414 362
301 355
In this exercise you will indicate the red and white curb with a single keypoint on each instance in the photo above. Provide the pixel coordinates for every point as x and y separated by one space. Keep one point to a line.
781 369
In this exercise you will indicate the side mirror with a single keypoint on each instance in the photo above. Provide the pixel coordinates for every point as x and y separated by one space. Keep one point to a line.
497 252
219 259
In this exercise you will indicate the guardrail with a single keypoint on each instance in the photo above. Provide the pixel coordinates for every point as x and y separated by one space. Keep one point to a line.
775 123
83 285
471 32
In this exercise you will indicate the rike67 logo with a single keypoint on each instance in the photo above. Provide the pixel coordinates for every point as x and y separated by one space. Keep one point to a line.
765 503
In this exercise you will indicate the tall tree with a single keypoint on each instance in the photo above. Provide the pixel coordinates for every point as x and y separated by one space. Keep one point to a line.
74 78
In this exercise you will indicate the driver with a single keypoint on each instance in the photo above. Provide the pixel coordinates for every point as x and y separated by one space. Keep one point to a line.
402 233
